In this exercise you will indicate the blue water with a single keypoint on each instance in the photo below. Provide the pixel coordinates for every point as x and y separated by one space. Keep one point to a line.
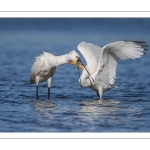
71 109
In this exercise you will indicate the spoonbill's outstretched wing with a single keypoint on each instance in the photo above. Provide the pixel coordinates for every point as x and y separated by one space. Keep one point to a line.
111 53
91 53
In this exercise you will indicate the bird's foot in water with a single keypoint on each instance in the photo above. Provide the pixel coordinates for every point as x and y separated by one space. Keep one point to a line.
37 97
99 98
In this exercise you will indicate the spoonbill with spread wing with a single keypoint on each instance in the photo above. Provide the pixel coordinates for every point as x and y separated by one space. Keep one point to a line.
100 72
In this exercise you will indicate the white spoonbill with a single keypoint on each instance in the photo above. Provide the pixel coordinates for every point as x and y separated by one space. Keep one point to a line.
45 65
102 62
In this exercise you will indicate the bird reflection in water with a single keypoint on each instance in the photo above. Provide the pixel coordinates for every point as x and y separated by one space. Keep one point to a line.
103 106
43 105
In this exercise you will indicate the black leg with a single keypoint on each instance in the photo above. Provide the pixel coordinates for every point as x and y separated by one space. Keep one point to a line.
37 97
98 94
48 92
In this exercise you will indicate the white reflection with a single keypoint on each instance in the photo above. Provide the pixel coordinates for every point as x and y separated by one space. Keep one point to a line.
99 106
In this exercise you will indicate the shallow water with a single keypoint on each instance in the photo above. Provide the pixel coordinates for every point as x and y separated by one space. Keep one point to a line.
71 109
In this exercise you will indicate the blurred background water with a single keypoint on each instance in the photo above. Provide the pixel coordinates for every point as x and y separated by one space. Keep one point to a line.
71 109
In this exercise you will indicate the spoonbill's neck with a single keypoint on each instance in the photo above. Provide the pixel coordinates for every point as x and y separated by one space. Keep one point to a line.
60 60
85 79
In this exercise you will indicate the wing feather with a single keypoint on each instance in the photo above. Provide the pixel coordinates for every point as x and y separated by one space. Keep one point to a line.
91 54
113 52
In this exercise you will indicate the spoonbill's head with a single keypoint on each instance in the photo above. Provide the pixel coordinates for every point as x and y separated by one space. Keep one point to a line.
73 57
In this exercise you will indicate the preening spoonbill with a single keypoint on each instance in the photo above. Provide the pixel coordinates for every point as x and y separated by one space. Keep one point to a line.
45 65
102 62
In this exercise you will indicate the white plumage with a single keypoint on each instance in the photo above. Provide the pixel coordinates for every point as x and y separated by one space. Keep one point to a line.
45 65
102 62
